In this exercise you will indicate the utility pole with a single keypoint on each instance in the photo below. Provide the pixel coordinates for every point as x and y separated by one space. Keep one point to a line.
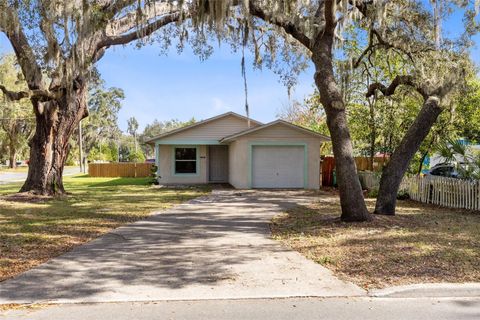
80 147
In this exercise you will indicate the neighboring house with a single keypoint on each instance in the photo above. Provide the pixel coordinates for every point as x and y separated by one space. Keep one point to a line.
224 149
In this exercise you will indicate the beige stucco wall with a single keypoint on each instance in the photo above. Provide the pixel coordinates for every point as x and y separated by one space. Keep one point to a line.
167 170
214 130
240 153
239 157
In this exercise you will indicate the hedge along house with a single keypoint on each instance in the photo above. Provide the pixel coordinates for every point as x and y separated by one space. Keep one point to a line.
230 148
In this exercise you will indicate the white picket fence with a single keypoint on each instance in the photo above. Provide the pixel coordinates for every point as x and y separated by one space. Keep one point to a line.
447 192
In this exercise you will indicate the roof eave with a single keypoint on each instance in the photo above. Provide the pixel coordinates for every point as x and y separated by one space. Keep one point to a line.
294 126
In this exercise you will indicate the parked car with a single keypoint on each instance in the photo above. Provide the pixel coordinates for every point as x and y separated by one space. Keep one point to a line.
444 170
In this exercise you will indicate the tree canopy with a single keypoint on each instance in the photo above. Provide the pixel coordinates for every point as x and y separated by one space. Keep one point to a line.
16 118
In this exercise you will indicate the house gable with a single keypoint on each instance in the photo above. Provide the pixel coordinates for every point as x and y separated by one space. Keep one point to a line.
209 131
277 130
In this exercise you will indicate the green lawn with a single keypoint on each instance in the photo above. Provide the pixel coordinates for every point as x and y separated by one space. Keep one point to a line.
31 233
17 169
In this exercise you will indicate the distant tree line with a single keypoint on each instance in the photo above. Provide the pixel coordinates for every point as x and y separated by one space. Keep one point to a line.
101 136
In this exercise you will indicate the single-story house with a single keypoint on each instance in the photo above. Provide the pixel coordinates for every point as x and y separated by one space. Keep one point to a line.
230 148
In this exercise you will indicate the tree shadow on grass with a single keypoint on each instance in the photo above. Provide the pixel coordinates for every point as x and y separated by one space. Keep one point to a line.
33 232
422 243
187 246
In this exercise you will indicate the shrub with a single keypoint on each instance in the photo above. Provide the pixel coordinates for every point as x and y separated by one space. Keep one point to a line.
403 195
153 174
372 193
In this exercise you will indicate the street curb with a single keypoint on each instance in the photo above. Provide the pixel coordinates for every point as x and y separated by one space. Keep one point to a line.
429 290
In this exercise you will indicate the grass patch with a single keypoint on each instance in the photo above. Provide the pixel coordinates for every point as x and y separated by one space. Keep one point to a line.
32 233
5 169
422 243
17 169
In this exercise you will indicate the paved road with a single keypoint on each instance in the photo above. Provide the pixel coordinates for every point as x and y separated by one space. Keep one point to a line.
9 177
215 247
278 309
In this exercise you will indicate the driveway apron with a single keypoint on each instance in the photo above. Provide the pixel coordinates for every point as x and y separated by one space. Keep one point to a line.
214 247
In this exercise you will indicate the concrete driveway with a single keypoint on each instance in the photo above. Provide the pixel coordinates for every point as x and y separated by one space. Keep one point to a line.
215 247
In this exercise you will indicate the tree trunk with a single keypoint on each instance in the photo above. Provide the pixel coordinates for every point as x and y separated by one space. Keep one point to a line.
351 195
56 121
12 156
395 170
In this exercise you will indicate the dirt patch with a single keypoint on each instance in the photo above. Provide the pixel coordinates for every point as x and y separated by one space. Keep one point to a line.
16 306
422 243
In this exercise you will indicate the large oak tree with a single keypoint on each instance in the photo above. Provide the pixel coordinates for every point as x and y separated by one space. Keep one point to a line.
393 25
56 44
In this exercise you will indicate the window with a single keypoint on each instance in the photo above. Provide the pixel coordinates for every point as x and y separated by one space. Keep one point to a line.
185 160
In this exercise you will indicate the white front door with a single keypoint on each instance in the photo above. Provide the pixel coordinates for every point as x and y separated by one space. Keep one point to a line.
278 166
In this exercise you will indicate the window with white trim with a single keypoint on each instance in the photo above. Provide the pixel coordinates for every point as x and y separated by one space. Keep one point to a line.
185 160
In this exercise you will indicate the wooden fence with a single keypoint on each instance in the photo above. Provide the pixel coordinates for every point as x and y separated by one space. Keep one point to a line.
327 167
369 180
447 192
120 169
363 163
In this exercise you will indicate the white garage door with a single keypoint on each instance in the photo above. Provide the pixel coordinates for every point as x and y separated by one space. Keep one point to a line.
277 166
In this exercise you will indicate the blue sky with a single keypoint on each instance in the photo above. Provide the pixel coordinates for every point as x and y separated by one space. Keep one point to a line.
181 86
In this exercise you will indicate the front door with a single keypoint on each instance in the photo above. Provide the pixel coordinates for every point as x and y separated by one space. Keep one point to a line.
218 163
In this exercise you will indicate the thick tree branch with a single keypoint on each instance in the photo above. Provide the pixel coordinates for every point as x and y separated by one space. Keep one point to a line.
11 26
425 91
130 20
14 95
19 95
138 34
398 81
330 19
361 6
46 26
289 27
